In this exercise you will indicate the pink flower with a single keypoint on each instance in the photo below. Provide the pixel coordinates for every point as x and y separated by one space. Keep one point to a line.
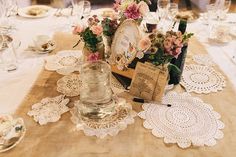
178 42
97 30
116 5
143 8
167 45
179 34
78 29
140 54
93 57
144 44
132 11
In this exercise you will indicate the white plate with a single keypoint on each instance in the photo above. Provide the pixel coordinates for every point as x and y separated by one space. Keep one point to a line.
24 11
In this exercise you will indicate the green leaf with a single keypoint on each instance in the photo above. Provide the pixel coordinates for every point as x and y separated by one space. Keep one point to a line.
174 68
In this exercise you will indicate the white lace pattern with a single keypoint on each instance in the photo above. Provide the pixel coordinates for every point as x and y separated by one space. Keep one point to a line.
111 125
184 120
202 79
49 109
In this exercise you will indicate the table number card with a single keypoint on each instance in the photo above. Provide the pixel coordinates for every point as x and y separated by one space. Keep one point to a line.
148 82
160 85
144 81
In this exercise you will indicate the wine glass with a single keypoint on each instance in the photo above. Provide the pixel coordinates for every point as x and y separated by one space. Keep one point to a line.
78 7
224 6
9 59
173 11
87 8
163 6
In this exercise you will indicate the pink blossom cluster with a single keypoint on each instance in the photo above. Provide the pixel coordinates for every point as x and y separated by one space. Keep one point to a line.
131 9
173 44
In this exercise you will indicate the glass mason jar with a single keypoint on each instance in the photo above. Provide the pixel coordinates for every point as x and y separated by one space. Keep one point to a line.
96 94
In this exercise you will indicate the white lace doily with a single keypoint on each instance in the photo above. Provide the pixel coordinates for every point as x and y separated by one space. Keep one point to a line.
49 109
186 120
65 62
111 125
116 86
69 85
201 79
203 59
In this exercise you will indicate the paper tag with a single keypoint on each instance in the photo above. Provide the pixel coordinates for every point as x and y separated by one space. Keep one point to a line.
144 81
160 85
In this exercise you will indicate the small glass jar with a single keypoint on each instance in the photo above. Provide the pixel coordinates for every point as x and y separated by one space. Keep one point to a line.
96 94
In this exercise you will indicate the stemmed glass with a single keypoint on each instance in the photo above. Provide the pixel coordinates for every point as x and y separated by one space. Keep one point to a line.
173 11
223 8
78 7
163 7
87 8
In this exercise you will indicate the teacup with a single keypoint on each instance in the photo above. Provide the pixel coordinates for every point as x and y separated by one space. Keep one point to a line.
41 42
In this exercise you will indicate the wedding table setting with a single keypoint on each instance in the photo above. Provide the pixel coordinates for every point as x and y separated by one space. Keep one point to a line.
121 81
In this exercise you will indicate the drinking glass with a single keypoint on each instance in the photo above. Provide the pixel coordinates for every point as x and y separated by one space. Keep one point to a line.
96 94
78 7
87 8
151 22
224 6
8 58
173 11
163 6
211 13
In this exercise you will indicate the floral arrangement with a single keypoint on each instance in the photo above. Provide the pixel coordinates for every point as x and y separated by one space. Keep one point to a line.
92 37
131 9
160 49
109 26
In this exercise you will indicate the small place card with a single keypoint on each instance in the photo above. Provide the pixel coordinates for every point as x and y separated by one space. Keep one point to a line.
148 82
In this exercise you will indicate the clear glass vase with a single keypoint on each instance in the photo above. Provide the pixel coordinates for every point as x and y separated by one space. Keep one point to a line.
96 94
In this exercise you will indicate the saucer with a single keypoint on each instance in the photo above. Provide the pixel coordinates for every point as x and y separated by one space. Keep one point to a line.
45 48
12 132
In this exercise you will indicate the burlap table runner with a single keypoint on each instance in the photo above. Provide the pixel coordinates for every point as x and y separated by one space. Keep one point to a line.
59 139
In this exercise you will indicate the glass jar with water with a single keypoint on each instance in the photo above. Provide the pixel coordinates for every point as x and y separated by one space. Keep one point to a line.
96 94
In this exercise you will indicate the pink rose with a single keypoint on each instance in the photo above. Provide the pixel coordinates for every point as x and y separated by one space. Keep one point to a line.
144 44
143 8
132 11
97 30
178 42
93 57
140 55
78 29
167 45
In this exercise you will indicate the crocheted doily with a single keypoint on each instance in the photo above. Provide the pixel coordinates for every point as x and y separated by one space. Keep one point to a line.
49 109
201 79
111 125
69 85
203 59
184 120
65 62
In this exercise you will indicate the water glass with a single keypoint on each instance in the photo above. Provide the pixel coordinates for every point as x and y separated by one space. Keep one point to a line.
96 94
223 9
211 13
173 10
78 7
8 58
87 8
151 22
163 6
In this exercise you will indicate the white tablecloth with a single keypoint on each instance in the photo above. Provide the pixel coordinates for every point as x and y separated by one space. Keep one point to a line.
14 86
